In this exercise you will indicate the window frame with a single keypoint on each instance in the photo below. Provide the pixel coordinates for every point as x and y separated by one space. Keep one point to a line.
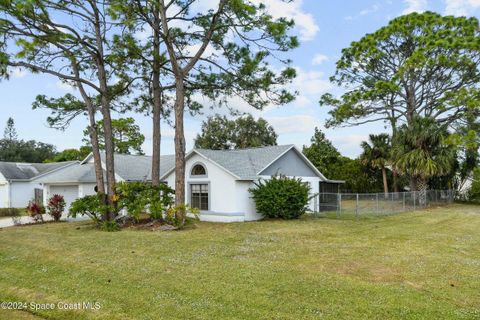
190 194
199 175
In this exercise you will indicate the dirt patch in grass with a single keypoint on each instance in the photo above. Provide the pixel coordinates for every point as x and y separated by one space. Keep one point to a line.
148 224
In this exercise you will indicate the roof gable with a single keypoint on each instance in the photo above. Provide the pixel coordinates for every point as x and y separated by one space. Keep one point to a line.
289 164
243 164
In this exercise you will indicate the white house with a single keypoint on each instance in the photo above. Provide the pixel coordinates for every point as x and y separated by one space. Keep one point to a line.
217 181
17 181
79 181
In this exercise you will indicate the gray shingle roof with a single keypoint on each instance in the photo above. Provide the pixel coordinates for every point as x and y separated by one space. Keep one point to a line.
27 171
128 167
245 163
79 173
139 168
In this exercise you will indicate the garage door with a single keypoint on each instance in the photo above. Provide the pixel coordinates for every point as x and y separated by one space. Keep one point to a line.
69 193
3 196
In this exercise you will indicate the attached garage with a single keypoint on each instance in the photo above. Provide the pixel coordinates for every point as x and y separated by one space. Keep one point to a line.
69 193
18 184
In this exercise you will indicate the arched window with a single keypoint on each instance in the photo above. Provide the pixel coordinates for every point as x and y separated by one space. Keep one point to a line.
198 170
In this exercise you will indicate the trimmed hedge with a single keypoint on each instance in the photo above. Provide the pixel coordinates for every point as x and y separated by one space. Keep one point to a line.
11 212
281 197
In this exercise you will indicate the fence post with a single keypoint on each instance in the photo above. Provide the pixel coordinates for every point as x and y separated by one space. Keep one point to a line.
356 207
393 203
339 204
404 202
378 208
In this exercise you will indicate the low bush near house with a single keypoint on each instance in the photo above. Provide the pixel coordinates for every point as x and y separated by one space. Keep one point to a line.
142 197
35 210
10 212
281 197
55 206
109 226
92 206
176 216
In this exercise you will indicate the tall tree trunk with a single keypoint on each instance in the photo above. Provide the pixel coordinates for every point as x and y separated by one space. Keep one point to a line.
109 156
385 182
93 132
157 110
156 140
422 185
107 120
179 145
395 180
393 124
413 184
97 160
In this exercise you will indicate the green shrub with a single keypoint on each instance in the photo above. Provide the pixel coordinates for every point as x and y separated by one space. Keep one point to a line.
35 210
474 192
109 226
177 215
92 206
143 197
281 197
10 212
55 206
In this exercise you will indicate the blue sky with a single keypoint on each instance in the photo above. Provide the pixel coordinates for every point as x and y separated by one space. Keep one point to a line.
324 28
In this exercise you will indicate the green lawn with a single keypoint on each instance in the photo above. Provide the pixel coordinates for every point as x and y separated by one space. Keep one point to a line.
422 265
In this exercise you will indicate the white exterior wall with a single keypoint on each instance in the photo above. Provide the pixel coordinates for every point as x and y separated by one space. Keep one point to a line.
22 192
244 202
86 189
223 195
4 192
47 190
314 189
69 192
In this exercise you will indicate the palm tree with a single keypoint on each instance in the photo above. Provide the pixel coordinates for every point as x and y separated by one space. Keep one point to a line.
376 154
421 153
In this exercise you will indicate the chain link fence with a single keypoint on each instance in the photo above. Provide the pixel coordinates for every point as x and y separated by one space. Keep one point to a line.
375 204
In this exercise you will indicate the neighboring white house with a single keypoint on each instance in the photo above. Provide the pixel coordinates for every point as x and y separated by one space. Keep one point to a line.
79 181
17 181
217 181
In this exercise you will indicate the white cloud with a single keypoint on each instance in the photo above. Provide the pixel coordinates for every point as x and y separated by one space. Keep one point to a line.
18 73
372 9
319 59
65 86
349 144
311 83
461 7
415 6
304 22
294 124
